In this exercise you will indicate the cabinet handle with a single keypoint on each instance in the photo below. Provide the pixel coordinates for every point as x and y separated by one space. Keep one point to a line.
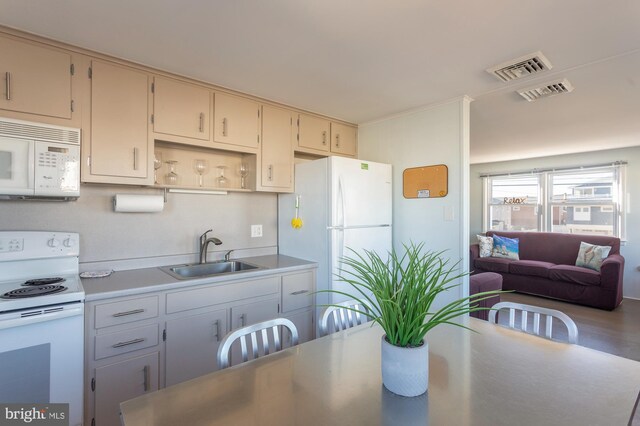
217 324
124 314
270 172
338 140
8 84
135 158
147 378
242 320
201 128
324 138
295 293
129 342
224 126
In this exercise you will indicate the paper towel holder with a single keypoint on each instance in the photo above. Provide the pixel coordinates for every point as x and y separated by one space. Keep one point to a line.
138 203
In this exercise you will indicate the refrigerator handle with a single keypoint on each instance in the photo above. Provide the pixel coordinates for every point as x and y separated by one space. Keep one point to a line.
341 212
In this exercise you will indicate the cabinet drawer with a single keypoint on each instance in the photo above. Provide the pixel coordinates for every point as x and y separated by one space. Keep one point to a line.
297 291
125 311
126 341
213 295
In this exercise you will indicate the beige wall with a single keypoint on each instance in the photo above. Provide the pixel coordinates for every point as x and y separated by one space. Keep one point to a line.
109 236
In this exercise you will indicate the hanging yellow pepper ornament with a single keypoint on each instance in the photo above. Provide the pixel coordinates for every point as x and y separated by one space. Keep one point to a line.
296 222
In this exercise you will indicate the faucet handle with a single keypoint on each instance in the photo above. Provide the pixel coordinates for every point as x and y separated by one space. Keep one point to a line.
203 236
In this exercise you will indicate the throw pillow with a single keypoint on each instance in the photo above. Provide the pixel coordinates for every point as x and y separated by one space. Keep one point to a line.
485 244
591 256
505 247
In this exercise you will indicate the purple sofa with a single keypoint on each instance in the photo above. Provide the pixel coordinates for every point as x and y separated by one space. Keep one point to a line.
547 268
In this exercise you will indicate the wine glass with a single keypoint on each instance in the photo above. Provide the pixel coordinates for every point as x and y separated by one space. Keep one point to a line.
222 180
201 167
157 163
243 171
171 178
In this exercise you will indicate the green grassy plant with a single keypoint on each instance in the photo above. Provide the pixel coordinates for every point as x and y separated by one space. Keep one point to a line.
404 288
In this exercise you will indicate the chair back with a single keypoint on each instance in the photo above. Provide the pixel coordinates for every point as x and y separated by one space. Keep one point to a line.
533 327
259 347
342 316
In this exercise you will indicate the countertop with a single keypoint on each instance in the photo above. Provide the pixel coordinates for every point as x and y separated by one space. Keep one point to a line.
494 377
138 281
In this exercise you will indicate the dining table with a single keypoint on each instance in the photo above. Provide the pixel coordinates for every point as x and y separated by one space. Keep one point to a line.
492 375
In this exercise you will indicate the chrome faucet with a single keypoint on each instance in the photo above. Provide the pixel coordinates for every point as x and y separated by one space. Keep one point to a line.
204 243
227 256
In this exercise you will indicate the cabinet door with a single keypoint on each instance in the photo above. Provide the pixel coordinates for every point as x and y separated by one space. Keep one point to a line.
181 109
303 321
121 381
192 345
343 139
236 121
313 133
277 148
119 126
35 80
251 313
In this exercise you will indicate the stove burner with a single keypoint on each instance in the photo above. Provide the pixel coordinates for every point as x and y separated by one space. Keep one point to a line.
21 293
44 281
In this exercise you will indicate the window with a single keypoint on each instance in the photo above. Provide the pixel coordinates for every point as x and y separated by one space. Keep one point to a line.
580 201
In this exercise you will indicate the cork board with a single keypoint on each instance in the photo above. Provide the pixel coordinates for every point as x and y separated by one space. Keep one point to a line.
426 182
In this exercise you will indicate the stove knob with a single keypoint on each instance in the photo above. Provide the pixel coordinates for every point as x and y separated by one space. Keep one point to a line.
53 242
69 242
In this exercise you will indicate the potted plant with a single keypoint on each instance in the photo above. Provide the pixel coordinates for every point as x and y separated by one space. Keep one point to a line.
398 293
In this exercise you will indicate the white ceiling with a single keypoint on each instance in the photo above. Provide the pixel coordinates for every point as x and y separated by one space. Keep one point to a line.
361 60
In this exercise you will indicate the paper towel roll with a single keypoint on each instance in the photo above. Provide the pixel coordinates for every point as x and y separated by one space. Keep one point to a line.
133 203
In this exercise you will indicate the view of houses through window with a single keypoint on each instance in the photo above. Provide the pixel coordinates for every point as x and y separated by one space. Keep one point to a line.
580 201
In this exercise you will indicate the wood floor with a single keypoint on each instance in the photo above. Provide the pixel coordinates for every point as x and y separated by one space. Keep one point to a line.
616 332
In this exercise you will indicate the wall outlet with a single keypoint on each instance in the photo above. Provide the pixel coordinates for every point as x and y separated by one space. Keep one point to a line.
256 231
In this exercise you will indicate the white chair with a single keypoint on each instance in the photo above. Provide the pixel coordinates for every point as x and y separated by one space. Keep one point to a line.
252 331
342 316
549 315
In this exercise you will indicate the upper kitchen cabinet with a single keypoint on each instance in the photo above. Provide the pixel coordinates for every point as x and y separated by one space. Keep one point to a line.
277 150
344 139
181 110
236 121
36 79
118 148
314 133
320 136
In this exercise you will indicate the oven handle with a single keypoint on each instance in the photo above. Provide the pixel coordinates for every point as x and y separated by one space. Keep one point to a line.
50 316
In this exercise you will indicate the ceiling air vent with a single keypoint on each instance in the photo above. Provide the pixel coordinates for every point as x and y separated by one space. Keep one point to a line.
546 90
524 66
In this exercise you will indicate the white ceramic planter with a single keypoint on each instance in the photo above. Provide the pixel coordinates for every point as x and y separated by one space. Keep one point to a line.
405 371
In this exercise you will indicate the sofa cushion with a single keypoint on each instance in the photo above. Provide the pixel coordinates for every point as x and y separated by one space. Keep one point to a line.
530 267
505 247
493 264
574 274
591 256
486 245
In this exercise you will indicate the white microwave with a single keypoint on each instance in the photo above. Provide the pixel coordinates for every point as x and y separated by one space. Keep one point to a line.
39 161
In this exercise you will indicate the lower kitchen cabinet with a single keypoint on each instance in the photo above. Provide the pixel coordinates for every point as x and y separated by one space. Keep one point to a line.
251 313
192 345
123 380
303 321
141 343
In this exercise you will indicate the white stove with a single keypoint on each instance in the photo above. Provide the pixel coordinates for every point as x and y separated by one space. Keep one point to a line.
41 320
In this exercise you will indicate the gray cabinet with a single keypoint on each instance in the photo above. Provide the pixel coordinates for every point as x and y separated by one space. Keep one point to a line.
138 344
192 345
123 380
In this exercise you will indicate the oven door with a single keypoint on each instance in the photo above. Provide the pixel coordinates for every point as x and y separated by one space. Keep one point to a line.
16 166
41 357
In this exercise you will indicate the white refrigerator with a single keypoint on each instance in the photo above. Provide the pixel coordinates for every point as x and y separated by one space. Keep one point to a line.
345 205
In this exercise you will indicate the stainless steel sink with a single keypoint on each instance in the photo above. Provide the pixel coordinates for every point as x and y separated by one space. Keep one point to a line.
198 270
